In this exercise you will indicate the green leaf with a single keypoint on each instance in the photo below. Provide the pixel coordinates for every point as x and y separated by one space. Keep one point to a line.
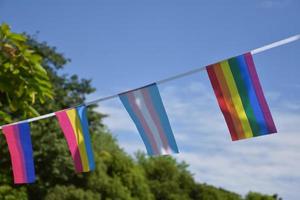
5 29
44 83
40 69
12 104
32 95
18 37
5 117
16 71
35 58
33 111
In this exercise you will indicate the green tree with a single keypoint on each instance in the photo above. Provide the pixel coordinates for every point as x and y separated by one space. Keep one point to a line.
258 196
207 192
71 193
22 77
168 179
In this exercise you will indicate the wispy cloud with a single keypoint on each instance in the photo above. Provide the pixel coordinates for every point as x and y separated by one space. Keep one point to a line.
268 164
118 120
274 3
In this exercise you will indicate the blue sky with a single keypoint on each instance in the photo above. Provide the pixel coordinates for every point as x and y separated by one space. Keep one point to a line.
126 44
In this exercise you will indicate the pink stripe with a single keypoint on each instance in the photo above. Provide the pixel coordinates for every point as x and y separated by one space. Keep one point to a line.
137 111
259 93
69 133
155 118
16 153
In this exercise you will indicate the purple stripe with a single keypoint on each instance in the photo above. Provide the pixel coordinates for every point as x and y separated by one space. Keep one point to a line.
132 102
21 150
259 92
155 118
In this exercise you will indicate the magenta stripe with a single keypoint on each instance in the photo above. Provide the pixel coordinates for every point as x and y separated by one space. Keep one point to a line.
21 151
259 92
140 116
69 133
16 153
155 118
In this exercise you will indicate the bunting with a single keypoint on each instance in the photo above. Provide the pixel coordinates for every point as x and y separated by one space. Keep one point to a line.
20 148
235 83
74 125
145 107
241 98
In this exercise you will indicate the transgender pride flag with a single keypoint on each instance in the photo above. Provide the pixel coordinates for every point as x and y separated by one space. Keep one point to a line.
145 107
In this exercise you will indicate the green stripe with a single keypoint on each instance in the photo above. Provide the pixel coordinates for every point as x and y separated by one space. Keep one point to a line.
234 66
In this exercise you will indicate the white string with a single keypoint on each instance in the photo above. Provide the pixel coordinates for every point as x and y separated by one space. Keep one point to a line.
276 44
254 51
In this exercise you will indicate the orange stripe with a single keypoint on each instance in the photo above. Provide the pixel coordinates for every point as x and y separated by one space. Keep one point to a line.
220 97
230 105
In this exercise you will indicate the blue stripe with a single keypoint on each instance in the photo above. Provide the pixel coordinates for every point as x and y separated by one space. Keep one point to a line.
25 140
260 120
161 112
86 134
124 99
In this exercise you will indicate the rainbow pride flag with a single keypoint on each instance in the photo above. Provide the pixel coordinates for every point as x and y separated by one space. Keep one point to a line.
145 107
19 144
74 125
241 98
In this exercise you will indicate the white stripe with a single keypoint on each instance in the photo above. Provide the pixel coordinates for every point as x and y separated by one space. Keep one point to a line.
140 101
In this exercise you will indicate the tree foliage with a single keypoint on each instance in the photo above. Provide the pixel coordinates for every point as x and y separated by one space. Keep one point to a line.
258 196
117 176
22 77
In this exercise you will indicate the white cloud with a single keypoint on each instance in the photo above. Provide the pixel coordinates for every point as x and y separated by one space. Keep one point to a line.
268 164
274 3
118 120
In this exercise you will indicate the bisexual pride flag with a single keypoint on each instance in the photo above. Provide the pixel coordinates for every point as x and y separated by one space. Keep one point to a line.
20 148
145 107
241 98
74 125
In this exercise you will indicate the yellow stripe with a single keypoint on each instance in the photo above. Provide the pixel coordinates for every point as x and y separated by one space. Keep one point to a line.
236 98
228 100
75 121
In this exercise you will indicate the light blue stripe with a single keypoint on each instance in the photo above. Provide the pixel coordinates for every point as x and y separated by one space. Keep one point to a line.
261 122
125 101
149 121
25 140
161 113
86 134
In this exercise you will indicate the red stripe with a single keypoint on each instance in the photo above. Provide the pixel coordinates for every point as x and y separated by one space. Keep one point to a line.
260 94
221 100
230 105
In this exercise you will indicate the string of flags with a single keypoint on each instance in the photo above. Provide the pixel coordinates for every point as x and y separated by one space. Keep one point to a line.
236 86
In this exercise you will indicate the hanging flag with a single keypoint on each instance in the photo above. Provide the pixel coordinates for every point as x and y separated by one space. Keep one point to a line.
241 98
74 125
19 144
145 107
